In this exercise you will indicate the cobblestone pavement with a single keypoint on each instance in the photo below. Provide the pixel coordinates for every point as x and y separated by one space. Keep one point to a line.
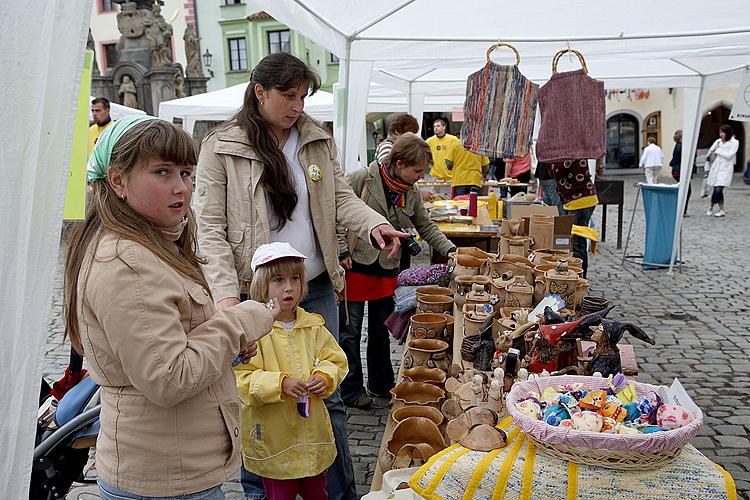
709 350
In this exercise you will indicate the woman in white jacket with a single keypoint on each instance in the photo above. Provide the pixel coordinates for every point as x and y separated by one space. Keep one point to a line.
720 165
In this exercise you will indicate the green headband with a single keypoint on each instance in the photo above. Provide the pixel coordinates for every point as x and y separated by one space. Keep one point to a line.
98 164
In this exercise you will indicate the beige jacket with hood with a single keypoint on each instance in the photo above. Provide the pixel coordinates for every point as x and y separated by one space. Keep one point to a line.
231 205
170 422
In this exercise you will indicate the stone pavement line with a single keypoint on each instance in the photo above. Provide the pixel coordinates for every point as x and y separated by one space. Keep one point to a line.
709 352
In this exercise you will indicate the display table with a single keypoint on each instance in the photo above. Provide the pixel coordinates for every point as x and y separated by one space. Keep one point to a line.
520 471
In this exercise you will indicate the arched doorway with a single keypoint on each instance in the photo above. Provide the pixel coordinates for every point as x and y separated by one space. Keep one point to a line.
622 141
709 132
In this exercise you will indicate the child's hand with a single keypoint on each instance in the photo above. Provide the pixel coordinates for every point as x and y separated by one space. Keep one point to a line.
317 385
293 387
248 352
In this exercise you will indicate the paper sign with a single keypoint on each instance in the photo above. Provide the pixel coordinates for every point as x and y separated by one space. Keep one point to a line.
75 196
676 394
741 108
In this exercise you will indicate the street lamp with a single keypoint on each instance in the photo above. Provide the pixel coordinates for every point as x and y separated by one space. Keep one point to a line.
207 56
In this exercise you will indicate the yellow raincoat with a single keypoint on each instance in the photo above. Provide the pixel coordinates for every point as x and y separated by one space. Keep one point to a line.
278 443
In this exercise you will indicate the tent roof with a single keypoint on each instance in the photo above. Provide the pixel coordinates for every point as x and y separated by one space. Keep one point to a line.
431 43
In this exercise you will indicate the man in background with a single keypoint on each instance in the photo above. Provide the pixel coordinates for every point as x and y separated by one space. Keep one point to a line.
676 162
102 120
441 144
651 161
468 169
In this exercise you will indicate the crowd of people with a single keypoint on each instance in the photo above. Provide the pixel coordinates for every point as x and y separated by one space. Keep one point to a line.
225 328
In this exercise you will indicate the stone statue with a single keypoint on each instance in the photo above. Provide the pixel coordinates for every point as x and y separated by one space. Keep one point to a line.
179 85
159 35
192 53
91 46
128 92
131 20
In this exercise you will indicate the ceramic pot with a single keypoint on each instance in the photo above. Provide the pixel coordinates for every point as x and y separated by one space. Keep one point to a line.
434 376
468 265
463 287
482 279
474 252
474 318
425 352
517 265
543 268
448 333
549 252
478 295
519 293
563 282
434 304
515 245
554 259
434 290
428 326
414 441
418 393
418 411
497 289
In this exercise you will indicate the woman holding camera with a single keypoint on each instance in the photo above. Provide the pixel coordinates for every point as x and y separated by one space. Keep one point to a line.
371 275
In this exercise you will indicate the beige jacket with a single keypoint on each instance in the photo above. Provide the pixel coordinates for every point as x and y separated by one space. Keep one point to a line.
170 412
412 214
231 205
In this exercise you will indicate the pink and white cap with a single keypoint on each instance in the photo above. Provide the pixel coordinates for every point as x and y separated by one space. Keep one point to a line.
269 252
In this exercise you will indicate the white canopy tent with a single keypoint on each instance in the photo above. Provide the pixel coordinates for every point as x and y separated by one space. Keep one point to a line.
414 47
117 111
222 104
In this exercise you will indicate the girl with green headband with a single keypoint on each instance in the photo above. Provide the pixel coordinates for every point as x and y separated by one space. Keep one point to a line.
139 308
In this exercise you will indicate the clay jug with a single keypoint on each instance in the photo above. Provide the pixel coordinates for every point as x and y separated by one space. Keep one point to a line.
514 245
434 304
519 293
426 352
563 282
428 326
519 266
463 286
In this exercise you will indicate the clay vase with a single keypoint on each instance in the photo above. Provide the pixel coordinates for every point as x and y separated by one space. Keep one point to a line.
474 318
428 326
463 286
519 266
414 441
448 332
434 376
425 352
478 295
434 290
519 293
563 282
515 245
429 412
418 393
434 304
582 290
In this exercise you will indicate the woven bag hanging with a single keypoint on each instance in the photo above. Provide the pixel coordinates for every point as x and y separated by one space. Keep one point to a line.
572 110
499 110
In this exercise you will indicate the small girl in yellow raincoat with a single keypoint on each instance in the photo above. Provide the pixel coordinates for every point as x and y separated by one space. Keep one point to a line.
287 436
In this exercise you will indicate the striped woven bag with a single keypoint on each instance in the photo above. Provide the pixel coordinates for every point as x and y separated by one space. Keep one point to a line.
499 110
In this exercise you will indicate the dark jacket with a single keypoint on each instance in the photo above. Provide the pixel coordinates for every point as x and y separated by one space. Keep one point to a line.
676 160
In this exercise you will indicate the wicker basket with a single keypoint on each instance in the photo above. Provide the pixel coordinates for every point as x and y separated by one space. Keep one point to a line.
613 451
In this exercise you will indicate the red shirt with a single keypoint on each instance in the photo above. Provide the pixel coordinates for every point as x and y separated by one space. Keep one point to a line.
518 165
364 287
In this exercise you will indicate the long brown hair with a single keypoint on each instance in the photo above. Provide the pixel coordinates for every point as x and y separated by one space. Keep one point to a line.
280 71
107 212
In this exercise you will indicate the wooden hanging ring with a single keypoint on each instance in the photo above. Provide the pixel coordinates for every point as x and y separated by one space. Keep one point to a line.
557 57
500 44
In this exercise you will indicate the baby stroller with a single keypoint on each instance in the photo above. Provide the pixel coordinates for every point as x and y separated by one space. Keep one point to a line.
66 430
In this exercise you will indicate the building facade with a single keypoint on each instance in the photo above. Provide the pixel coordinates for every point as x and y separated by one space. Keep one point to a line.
237 34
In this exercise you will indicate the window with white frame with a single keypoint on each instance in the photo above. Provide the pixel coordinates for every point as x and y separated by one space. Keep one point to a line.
279 41
237 54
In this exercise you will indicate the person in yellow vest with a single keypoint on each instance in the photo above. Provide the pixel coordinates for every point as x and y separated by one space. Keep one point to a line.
441 144
102 120
468 169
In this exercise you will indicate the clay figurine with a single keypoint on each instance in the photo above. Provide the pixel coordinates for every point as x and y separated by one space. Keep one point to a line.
606 357
484 350
478 391
523 374
496 395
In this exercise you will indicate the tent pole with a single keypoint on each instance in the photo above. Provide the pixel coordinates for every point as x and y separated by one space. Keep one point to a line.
320 18
381 17
691 128
348 60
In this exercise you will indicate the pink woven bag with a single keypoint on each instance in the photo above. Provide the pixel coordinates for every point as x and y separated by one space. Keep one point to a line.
572 110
